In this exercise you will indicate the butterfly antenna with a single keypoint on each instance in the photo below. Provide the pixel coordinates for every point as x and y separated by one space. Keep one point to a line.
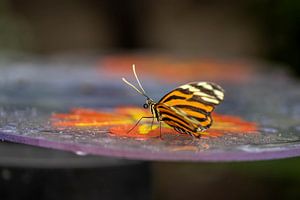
135 88
136 77
130 84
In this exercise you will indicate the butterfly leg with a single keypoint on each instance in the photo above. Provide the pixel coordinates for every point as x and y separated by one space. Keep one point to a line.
160 136
194 137
139 122
152 122
160 132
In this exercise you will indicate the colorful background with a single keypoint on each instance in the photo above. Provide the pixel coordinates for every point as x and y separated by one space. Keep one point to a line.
60 67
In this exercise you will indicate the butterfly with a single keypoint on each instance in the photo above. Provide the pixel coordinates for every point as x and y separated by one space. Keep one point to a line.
187 108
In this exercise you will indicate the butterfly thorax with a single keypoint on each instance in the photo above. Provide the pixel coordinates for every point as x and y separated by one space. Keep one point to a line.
152 106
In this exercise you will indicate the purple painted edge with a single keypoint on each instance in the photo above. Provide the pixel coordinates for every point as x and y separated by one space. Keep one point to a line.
153 156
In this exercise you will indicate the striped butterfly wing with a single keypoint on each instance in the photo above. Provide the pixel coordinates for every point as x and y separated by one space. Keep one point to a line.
195 101
176 118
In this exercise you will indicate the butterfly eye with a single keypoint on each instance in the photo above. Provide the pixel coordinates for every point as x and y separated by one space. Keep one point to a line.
145 106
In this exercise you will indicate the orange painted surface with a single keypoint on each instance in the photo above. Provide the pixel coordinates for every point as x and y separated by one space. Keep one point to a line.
122 119
170 69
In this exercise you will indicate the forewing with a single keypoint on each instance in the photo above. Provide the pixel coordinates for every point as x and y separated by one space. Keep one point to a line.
202 95
209 93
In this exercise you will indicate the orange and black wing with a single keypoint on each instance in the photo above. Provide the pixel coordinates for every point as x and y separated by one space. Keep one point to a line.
195 101
176 118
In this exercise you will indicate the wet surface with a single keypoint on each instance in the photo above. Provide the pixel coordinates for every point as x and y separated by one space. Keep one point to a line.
88 110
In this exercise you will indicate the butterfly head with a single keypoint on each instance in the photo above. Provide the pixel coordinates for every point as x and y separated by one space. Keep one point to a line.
149 103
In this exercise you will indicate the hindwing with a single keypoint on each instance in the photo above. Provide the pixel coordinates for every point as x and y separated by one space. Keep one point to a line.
194 102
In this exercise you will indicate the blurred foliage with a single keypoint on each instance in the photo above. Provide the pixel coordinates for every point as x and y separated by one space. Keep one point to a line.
58 25
283 168
280 23
273 179
14 33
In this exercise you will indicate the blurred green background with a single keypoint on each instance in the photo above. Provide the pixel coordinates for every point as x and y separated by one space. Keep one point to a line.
277 179
256 29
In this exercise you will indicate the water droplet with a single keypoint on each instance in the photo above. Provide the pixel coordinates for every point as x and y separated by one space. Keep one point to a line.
66 136
269 130
81 153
